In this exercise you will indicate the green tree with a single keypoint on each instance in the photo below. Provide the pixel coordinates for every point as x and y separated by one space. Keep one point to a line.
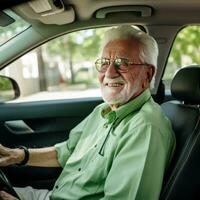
77 46
185 50
186 47
5 84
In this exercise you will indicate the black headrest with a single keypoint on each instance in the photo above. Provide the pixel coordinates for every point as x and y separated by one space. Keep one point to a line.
186 84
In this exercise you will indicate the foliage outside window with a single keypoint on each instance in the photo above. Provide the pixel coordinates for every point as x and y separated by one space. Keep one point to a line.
7 91
61 68
5 84
185 52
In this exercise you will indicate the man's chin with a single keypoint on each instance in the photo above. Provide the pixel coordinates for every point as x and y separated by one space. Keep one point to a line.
113 101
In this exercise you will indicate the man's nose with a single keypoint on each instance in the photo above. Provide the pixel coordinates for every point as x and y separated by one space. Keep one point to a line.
111 72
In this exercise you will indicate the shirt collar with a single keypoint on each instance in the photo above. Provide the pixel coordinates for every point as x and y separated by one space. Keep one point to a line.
124 110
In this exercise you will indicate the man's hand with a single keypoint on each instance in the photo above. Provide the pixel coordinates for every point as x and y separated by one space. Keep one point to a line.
10 156
5 196
41 157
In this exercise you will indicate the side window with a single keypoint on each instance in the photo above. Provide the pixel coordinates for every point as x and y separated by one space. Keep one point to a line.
59 69
185 52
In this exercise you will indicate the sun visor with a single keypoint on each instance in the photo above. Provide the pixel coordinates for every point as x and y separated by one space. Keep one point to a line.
5 19
47 11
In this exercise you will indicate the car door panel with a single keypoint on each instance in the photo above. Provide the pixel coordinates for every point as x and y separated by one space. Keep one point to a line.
40 124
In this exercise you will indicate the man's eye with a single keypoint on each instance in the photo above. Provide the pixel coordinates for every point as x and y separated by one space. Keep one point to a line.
117 64
104 63
124 62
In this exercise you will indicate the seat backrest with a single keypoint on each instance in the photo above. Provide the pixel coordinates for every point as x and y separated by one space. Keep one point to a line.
182 179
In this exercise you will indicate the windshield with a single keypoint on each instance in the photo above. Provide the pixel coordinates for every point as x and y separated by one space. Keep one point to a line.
13 29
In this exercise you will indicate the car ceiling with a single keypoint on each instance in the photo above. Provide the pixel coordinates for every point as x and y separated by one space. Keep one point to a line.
163 12
163 19
183 11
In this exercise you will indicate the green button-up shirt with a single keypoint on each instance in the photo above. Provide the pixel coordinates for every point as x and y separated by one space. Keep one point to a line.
116 155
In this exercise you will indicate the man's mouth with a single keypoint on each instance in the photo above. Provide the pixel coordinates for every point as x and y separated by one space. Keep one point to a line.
114 84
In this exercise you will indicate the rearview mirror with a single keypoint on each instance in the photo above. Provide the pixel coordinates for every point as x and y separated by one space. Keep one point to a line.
9 89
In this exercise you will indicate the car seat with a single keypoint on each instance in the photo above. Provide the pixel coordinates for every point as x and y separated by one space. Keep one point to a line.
182 178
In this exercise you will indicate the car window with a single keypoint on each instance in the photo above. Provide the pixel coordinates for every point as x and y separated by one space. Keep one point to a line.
185 51
62 68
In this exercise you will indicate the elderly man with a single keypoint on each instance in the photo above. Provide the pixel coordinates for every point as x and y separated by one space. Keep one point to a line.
122 149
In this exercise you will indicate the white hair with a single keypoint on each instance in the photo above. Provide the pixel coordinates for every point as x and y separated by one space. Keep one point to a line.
147 44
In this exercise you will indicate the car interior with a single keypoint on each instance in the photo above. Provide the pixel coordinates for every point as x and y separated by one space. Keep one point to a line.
44 123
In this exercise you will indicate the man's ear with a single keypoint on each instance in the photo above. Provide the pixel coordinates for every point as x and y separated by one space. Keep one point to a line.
150 72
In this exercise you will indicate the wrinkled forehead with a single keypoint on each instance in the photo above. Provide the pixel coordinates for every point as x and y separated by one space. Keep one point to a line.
125 48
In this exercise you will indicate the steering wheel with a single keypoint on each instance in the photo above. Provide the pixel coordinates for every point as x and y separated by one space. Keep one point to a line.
6 186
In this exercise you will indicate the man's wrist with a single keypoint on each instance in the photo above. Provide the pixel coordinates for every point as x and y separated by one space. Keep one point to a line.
26 155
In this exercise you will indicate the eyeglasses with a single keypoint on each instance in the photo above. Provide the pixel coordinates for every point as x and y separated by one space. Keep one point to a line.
121 64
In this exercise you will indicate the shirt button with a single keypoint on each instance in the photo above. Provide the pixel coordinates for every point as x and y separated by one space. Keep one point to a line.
79 169
56 187
95 145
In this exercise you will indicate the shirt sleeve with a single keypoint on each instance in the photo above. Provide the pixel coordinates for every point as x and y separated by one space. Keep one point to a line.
138 166
65 149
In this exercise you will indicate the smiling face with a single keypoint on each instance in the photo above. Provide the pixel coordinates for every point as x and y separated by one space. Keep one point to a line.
118 88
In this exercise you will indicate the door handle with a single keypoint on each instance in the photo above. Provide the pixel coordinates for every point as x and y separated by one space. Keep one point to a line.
18 127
